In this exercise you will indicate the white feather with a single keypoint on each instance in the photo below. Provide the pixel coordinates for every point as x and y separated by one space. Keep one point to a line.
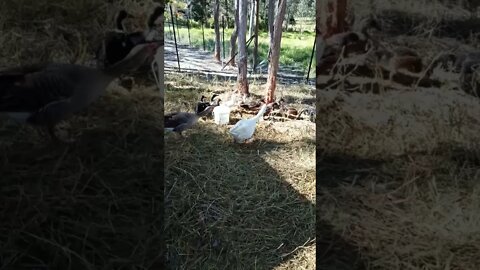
244 129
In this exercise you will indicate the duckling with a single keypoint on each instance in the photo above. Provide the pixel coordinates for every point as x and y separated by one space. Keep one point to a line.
46 94
354 41
253 106
310 112
397 59
272 111
243 130
289 112
445 61
465 63
180 121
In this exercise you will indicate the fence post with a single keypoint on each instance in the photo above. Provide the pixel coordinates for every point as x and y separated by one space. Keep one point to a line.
178 29
175 37
223 35
311 59
203 22
226 10
188 27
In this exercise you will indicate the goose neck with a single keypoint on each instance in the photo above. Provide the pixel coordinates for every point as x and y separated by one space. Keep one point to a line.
260 113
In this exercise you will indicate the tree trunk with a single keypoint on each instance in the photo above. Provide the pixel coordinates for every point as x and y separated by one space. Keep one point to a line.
233 38
271 13
255 42
252 14
275 50
286 22
216 23
336 12
242 83
341 14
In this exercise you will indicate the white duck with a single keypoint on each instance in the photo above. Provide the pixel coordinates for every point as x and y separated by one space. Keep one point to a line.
244 129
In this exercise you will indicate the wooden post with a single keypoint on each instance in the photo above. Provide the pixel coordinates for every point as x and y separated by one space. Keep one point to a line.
203 22
223 35
175 37
311 59
233 57
178 29
188 28
255 42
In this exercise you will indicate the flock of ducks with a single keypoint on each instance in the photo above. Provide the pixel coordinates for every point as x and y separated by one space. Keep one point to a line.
45 94
393 60
244 129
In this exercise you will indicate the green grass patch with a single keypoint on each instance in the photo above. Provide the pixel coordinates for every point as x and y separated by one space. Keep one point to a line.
296 48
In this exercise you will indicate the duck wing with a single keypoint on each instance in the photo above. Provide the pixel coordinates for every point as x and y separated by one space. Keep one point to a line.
173 120
243 129
48 93
32 89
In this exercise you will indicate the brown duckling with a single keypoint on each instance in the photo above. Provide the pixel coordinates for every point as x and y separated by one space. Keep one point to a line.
353 41
397 59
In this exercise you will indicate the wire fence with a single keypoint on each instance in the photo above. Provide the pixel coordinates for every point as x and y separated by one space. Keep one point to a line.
183 31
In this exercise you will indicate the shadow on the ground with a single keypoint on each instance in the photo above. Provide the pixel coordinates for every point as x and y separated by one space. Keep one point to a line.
334 169
227 207
335 253
93 205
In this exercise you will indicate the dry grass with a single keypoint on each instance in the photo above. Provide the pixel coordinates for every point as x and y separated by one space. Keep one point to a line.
399 171
398 175
401 177
239 207
97 203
